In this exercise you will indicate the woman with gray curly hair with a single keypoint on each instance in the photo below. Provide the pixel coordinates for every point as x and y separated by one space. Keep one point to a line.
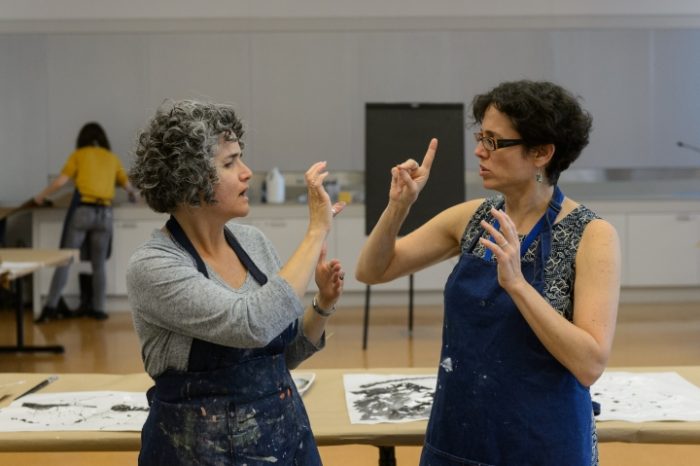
219 317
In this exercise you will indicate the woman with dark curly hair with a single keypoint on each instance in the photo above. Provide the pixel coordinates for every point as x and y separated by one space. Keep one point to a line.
220 319
530 307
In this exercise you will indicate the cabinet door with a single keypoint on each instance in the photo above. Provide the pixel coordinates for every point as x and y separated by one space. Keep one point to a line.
128 235
663 249
619 221
284 233
350 237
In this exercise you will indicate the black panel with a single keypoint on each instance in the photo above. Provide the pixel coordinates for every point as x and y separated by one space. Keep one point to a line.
396 132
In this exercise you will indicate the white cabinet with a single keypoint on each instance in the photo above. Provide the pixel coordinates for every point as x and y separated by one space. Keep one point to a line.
660 245
284 233
350 234
664 249
351 237
128 235
619 221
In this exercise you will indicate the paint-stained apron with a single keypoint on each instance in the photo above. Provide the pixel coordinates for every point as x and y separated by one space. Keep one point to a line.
501 398
233 406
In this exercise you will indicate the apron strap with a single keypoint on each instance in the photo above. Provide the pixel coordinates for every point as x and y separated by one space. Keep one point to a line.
179 235
257 274
546 220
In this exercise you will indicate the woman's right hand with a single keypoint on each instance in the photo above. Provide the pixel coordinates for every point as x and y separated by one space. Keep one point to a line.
301 266
321 212
408 178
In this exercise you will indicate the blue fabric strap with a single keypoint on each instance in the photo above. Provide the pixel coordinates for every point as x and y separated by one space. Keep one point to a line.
547 219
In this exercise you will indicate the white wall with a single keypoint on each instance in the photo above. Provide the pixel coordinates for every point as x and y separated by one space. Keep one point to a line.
24 143
81 9
302 92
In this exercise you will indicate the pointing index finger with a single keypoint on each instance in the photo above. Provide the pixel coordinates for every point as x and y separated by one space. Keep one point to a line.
430 154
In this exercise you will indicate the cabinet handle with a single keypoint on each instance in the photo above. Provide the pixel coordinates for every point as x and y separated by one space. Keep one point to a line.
128 225
683 217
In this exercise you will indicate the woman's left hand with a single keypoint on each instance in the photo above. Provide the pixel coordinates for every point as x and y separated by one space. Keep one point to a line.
505 246
329 279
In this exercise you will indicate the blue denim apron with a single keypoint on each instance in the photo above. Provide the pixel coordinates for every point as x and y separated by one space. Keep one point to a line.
501 397
233 406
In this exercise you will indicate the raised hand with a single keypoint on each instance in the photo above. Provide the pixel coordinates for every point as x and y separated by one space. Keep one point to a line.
321 211
409 178
329 279
505 246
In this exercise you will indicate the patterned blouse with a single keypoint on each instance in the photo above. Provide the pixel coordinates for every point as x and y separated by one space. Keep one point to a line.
560 270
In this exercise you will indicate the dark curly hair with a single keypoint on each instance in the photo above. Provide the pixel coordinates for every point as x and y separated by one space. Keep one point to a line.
542 113
174 154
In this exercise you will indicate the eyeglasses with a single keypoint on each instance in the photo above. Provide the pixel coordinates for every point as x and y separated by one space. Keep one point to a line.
490 143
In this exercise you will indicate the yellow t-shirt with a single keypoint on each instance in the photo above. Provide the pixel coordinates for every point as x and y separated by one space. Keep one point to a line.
95 172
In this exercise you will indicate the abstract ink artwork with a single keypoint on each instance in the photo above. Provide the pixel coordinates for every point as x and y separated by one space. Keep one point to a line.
646 396
374 398
101 411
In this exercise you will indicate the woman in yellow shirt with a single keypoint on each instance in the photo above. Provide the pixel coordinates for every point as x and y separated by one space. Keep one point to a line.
95 170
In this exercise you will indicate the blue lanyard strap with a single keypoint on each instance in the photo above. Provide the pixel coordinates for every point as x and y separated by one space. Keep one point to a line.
546 220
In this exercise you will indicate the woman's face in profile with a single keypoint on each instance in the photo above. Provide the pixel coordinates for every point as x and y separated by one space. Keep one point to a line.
505 166
231 192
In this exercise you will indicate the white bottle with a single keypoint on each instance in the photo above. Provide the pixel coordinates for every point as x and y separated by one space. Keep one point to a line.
274 182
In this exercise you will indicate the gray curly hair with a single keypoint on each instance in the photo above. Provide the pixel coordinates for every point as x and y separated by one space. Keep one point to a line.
174 153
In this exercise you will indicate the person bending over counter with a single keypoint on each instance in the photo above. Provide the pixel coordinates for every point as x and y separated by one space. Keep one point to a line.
219 318
95 171
530 308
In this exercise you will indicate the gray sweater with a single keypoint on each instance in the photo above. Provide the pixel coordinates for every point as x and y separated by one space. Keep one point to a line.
173 303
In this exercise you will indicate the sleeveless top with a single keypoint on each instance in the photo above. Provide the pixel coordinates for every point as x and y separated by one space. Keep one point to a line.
560 270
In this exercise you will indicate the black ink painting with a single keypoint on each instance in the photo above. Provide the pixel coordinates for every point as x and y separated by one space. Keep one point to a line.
373 398
106 411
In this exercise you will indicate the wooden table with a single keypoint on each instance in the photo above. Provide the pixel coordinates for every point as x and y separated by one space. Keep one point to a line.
26 261
325 403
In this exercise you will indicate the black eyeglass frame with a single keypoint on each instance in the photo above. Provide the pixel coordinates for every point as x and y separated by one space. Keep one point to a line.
491 143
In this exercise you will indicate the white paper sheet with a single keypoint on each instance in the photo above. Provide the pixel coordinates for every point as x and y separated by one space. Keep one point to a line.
373 398
104 410
17 267
648 396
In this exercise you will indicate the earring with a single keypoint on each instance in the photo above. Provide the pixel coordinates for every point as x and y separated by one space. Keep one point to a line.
539 177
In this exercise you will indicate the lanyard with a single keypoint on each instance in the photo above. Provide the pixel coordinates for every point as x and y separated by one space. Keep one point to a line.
547 219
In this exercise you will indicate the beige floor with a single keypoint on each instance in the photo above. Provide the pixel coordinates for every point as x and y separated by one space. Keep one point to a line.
648 334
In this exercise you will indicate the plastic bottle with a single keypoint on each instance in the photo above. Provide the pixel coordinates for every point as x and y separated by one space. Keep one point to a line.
274 182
